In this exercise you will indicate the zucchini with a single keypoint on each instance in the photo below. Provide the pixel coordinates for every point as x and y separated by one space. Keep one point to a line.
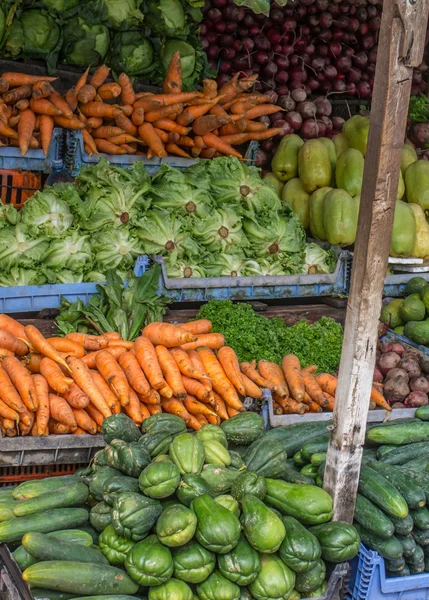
421 518
408 545
7 505
395 565
372 518
292 476
390 548
403 454
69 495
42 547
379 490
49 520
399 435
30 489
319 445
39 593
421 537
79 578
413 494
403 526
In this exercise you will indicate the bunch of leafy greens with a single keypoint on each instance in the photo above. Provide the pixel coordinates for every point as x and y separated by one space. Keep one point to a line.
254 337
418 110
125 309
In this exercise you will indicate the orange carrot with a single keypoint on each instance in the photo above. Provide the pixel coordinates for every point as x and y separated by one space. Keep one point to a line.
84 421
21 379
99 76
19 93
272 372
198 327
73 123
212 141
221 407
26 422
194 407
185 365
123 138
126 124
44 107
87 93
82 377
152 398
46 131
379 399
173 78
21 105
147 104
182 140
327 382
146 355
26 125
196 388
208 153
95 415
251 389
68 346
56 428
128 148
210 340
8 132
293 376
219 111
60 410
310 369
207 123
133 408
13 327
199 367
58 101
229 361
264 135
262 110
313 406
8 393
220 381
89 142
313 389
71 99
289 405
233 128
163 135
106 391
106 131
232 411
9 428
171 372
128 95
42 414
255 126
89 342
107 147
99 109
82 80
134 373
175 407
112 373
193 112
167 335
235 139
144 411
4 352
89 359
4 85
174 149
54 376
42 346
165 111
16 79
76 397
210 88
202 419
109 91
169 125
137 117
32 362
179 98
254 376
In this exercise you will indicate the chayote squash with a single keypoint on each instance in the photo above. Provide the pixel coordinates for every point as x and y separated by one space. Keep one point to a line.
190 487
218 529
100 516
241 565
263 529
149 563
332 153
129 458
216 454
404 232
417 184
193 563
340 142
340 217
309 504
212 432
217 587
156 443
401 187
98 478
248 482
312 579
187 452
316 213
356 131
421 246
164 423
159 479
173 589
237 461
114 547
243 429
298 199
275 581
349 171
118 485
228 502
409 155
314 166
300 549
267 459
99 459
285 161
295 595
339 541
276 183
176 526
133 515
120 427
219 479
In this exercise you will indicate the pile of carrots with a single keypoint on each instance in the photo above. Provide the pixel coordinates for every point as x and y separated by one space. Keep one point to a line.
114 119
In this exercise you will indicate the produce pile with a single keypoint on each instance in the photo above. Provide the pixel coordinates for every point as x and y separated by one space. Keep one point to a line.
210 515
138 38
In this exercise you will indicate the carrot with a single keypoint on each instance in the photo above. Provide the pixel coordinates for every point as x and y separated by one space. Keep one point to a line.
233 128
42 413
128 95
99 109
232 412
71 99
82 378
107 147
293 376
193 112
207 123
214 420
173 78
21 379
9 394
185 365
112 373
198 327
313 389
210 88
21 105
4 352
123 138
134 373
194 407
251 389
163 136
152 398
56 428
32 362
95 415
289 405
34 144
137 118
272 372
228 359
255 126
106 391
58 101
264 135
220 406
331 402
84 421
327 382
7 131
73 123
154 409
89 342
9 428
212 141
82 80
76 397
171 372
89 142
25 129
202 419
210 340
379 399
241 106
4 85
106 131
19 93
10 342
41 345
179 98
109 91
144 411
26 423
183 140
277 408
169 125
42 106
89 359
13 327
126 124
196 388
133 409
220 381
199 367
262 110
310 369
68 346
207 153
54 376
128 149
146 355
235 139
16 79
175 407
254 376
167 335
46 131
165 111
313 406
61 411
99 76
8 413
174 149
147 104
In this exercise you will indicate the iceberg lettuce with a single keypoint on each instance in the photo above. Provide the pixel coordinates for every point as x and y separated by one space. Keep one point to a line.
275 234
318 260
221 231
175 190
18 276
47 213
115 248
72 252
19 249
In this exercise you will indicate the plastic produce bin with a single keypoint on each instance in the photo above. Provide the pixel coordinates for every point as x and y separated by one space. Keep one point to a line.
34 160
17 186
12 586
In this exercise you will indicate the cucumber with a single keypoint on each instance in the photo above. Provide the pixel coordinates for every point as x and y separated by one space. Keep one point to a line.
417 568
421 478
408 545
69 495
6 492
368 455
30 489
292 476
419 464
49 520
403 526
114 597
379 490
318 459
421 518
295 436
319 445
384 451
410 490
398 435
39 593
421 537
319 481
7 505
396 565
42 547
372 518
390 548
298 459
422 413
417 557
405 572
403 454
79 578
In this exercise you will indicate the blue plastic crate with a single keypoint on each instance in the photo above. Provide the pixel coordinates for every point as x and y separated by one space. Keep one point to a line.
34 160
369 582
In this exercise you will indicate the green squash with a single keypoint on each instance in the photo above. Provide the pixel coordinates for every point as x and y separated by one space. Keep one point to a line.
212 432
99 459
114 547
216 454
314 166
228 502
130 458
156 443
100 516
162 458
164 423
120 427
149 563
176 526
248 482
193 563
159 479
218 529
133 515
187 453
300 549
219 479
190 487
98 478
311 580
275 581
174 589
237 461
245 594
309 504
244 428
241 565
295 595
339 541
217 587
266 458
263 529
117 485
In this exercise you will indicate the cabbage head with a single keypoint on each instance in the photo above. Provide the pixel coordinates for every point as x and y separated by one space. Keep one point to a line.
34 34
132 53
47 212
17 276
61 5
84 43
115 248
174 190
318 260
221 232
72 252
8 215
19 249
166 17
119 14
192 57
274 233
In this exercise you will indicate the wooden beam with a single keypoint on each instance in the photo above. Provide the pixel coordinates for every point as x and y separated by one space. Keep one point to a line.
400 48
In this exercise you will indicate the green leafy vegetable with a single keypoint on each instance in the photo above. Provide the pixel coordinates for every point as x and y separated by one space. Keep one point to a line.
193 59
17 276
221 232
19 249
8 215
48 212
176 190
132 52
318 260
120 14
84 42
166 17
72 252
115 248
275 235
185 269
418 110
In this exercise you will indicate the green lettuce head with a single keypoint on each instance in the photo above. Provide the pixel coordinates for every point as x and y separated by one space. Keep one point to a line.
119 14
73 252
193 59
64 276
221 232
265 267
166 17
47 212
8 215
34 34
132 53
115 249
19 249
185 269
84 43
227 265
61 5
275 233
17 276
318 260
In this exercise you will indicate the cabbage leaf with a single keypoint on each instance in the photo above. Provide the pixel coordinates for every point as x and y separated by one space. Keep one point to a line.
73 252
132 52
318 260
48 213
115 248
19 249
17 276
274 234
221 231
185 269
166 18
8 215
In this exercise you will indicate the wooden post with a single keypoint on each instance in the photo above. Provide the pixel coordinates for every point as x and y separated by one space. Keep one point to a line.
400 48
